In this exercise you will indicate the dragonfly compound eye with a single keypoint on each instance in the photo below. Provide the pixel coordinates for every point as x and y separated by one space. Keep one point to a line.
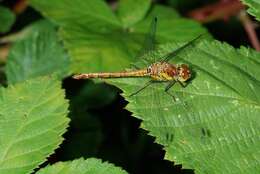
183 73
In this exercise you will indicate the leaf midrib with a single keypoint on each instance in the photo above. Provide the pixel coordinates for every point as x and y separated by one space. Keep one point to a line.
21 127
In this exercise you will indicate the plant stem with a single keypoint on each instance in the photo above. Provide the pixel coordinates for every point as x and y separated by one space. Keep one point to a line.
250 29
223 9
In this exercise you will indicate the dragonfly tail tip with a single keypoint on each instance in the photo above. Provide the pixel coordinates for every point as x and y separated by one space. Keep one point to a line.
76 76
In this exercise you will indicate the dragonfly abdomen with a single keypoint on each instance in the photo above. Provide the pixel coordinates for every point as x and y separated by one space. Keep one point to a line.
137 73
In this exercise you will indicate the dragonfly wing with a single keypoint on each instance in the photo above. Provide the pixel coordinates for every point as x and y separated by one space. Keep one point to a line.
142 88
177 51
149 43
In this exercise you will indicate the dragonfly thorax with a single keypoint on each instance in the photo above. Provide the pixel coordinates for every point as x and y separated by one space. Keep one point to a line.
163 71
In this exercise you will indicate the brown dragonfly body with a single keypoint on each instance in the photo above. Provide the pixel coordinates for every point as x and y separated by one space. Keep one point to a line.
159 71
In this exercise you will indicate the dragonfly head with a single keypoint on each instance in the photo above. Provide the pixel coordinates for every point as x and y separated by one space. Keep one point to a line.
184 72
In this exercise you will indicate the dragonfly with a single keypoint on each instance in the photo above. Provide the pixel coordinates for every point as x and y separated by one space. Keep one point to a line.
159 71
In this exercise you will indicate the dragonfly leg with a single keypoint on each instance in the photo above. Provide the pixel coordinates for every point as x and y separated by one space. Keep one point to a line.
169 87
139 90
182 84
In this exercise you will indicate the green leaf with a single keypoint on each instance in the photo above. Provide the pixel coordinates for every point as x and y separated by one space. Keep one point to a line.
40 25
38 54
81 166
32 120
213 126
254 8
132 11
96 14
163 12
94 50
7 19
170 30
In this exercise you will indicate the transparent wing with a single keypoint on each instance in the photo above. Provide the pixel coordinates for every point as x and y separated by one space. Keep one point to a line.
149 44
146 53
169 56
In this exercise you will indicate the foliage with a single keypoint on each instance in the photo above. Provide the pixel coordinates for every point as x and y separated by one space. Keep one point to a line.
39 53
213 126
130 12
100 39
33 118
82 166
7 19
210 126
254 8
